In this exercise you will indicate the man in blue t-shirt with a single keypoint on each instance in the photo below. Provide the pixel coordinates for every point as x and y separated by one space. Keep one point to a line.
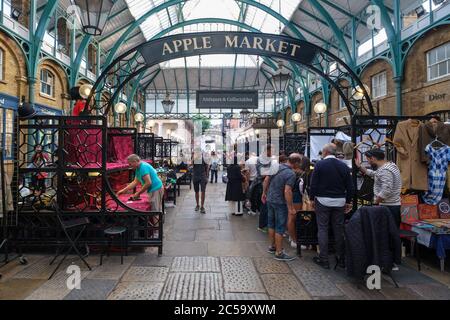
147 176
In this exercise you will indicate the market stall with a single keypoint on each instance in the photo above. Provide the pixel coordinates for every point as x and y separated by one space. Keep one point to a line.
420 147
76 173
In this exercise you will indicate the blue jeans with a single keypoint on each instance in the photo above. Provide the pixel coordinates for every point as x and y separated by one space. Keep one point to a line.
277 217
263 216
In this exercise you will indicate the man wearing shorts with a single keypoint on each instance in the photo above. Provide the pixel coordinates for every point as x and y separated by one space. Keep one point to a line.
200 179
280 205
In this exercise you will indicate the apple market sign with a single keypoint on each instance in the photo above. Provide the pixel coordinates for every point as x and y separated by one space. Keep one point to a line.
183 45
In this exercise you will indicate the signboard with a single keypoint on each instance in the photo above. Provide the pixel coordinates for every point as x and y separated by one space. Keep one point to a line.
227 99
190 44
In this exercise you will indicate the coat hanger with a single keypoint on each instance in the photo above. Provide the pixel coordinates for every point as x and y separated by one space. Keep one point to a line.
437 140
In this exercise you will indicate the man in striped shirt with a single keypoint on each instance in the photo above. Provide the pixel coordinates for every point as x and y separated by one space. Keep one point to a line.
387 182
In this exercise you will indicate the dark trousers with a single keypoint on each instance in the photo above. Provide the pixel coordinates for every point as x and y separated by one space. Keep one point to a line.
324 215
213 174
396 213
263 216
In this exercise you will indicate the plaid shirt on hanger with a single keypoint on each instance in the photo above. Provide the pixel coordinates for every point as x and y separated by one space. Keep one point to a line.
437 170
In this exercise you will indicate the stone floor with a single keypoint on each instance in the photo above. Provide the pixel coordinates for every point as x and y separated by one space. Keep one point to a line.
211 256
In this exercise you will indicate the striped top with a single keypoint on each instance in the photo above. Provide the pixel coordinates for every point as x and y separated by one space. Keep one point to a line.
387 184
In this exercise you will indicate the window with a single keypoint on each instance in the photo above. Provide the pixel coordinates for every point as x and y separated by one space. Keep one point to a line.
438 62
47 82
379 87
1 64
7 131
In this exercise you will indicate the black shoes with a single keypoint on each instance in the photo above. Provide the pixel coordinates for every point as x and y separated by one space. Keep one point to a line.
322 263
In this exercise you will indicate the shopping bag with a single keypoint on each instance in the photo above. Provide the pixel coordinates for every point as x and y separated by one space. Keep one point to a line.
410 199
409 213
427 211
444 209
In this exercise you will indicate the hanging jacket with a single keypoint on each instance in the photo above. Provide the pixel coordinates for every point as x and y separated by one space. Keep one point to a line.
371 238
413 171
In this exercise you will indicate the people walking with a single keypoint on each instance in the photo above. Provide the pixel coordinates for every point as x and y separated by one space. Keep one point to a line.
300 192
280 205
234 192
332 191
199 180
266 166
214 167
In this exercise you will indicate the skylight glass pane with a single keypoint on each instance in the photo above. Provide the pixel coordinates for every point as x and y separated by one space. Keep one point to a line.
214 60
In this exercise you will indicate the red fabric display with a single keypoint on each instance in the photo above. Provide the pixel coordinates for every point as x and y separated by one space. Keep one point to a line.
78 108
427 211
84 147
409 213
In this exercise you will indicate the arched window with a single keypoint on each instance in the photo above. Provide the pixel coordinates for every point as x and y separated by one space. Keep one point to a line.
47 83
2 57
63 36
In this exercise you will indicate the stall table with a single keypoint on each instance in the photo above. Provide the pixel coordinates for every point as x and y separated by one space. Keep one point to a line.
432 237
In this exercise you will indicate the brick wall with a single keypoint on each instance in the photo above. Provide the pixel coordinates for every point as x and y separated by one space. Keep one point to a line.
60 98
14 68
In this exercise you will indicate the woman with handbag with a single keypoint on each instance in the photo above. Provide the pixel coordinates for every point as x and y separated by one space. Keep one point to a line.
300 197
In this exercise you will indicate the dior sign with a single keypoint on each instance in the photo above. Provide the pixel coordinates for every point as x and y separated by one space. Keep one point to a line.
437 97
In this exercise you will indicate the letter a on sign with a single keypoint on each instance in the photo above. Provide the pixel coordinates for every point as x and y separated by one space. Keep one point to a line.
374 280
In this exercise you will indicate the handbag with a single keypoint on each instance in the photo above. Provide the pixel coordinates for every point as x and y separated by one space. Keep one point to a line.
307 203
366 190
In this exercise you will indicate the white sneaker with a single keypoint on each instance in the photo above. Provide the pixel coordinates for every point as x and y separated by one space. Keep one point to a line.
293 244
395 267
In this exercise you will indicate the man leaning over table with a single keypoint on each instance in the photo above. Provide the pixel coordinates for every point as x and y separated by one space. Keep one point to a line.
147 177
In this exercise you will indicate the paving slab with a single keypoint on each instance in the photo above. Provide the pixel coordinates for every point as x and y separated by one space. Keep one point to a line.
431 291
144 274
400 294
214 235
233 248
195 264
240 275
352 292
18 289
111 268
183 248
193 286
284 286
192 224
56 288
152 261
13 267
270 265
137 291
314 279
92 289
246 296
176 235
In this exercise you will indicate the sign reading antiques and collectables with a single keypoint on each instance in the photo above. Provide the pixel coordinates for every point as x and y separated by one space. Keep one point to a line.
182 45
227 99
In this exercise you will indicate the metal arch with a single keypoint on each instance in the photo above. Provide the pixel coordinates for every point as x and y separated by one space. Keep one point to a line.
165 5
337 32
76 64
170 3
20 43
322 57
38 37
224 21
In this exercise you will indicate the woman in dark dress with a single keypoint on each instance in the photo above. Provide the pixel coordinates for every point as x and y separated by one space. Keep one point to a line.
234 191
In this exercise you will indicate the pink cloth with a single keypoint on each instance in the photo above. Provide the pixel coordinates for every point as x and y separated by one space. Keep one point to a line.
84 147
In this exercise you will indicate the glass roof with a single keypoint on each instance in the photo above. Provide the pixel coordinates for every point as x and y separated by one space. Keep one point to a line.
224 9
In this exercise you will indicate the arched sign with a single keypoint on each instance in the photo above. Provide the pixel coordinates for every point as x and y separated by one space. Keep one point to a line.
304 53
